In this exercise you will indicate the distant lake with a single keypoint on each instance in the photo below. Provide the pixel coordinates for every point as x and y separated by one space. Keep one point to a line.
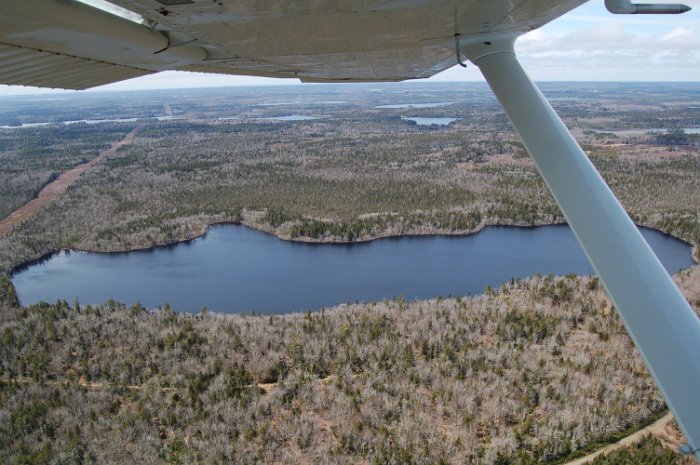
288 118
309 102
86 121
639 132
414 105
423 121
277 104
26 125
236 269
98 121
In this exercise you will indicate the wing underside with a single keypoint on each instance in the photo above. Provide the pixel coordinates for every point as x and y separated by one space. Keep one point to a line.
31 67
73 44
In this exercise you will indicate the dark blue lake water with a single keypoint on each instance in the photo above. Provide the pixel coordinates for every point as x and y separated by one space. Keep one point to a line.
235 269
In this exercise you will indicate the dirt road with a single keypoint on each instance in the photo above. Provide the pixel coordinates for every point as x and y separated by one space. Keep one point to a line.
657 428
53 190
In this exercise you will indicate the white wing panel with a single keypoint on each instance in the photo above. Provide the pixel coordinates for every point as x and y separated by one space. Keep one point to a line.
349 40
30 67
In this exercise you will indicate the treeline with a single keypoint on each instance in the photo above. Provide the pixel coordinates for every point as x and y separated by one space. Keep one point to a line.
673 137
658 189
647 452
391 224
526 374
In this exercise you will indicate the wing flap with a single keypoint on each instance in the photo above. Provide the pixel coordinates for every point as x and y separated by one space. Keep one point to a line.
29 67
72 45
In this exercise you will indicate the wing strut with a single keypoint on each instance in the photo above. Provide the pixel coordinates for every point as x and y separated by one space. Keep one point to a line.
657 316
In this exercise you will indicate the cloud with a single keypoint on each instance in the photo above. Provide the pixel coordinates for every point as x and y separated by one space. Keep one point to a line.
612 50
682 38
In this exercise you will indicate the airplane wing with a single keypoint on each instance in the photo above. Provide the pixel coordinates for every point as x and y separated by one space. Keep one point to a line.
80 44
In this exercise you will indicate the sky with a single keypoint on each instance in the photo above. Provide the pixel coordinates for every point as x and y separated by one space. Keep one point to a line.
587 44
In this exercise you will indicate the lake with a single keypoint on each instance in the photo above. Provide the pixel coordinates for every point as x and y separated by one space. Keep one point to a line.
639 132
235 269
89 121
426 121
413 105
287 118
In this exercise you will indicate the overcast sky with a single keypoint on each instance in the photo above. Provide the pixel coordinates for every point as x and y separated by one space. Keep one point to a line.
587 44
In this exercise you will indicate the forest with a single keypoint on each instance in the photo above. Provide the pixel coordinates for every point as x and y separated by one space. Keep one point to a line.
32 158
356 172
536 371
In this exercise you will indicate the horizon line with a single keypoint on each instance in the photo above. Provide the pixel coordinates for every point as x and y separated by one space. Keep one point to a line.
25 91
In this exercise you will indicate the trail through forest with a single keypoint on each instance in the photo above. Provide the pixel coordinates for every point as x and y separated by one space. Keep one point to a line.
659 429
54 189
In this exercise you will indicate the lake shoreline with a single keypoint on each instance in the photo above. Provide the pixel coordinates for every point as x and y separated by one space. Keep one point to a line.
202 231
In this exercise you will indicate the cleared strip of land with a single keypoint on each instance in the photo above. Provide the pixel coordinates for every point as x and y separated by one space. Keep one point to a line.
657 428
55 189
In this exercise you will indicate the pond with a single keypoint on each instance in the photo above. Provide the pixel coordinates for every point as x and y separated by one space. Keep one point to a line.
235 269
426 121
90 121
412 105
287 118
639 132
